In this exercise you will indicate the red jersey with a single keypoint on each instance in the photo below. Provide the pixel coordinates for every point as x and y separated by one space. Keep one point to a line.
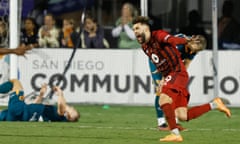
162 51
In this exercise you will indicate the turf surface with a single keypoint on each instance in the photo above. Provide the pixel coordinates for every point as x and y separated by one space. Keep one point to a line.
121 125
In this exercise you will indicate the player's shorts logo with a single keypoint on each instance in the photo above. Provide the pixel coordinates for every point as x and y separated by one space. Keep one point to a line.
167 79
155 58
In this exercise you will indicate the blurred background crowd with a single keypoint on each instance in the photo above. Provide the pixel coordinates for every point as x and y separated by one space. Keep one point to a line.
108 23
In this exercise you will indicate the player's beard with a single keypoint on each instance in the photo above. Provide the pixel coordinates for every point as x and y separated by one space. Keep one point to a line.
142 38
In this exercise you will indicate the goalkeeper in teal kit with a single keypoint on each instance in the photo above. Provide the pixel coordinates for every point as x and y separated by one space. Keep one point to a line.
18 110
188 52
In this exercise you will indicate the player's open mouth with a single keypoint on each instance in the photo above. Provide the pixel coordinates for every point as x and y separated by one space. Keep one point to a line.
139 37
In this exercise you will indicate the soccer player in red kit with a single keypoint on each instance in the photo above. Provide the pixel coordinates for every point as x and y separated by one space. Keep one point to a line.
160 47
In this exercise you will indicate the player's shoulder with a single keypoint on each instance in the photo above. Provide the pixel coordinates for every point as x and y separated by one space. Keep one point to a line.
160 34
159 31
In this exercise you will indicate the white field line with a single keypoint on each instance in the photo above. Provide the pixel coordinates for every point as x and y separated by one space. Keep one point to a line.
132 128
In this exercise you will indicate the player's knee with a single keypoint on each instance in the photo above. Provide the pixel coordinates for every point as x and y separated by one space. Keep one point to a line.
16 84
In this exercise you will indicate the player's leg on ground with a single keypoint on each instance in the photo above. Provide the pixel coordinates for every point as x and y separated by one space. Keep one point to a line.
166 104
160 115
6 87
162 124
16 102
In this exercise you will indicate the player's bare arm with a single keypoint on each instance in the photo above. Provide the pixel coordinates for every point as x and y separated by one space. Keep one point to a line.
61 102
43 90
69 112
30 46
176 40
21 50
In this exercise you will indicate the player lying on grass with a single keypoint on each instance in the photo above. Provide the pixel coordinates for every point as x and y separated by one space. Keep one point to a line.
63 109
160 47
18 110
187 52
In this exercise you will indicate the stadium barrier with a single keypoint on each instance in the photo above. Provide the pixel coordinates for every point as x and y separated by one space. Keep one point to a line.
115 76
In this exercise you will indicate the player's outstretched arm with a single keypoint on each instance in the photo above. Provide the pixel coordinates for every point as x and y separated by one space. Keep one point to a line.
61 101
64 109
39 98
21 50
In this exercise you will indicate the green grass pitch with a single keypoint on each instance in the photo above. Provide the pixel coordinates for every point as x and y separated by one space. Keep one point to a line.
121 125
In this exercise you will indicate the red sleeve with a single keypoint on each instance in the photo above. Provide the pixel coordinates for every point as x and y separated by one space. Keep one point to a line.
163 36
176 40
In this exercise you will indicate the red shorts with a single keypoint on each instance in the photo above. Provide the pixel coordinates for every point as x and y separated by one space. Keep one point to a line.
175 86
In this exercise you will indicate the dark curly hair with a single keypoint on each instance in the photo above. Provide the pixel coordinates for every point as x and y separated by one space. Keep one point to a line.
142 20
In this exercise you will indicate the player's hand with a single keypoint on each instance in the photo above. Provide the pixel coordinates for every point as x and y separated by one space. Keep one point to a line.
187 38
57 91
21 50
194 39
43 89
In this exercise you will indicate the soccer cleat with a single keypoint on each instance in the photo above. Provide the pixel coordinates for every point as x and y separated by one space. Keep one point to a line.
172 138
221 107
